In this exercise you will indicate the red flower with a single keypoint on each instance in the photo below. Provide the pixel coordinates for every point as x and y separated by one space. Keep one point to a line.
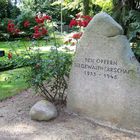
46 17
77 36
37 35
9 55
16 31
39 19
39 31
10 27
85 23
73 22
26 23
80 23
44 31
81 20
36 29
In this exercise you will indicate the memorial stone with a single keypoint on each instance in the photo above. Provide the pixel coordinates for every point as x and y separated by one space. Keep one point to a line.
105 77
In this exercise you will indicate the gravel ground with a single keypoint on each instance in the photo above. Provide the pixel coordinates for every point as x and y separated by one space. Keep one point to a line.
15 124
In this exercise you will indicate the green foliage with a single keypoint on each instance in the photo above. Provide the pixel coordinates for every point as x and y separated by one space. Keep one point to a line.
27 5
90 7
7 10
133 21
73 5
102 5
26 16
52 8
3 7
15 11
69 10
34 5
49 74
133 31
128 15
3 25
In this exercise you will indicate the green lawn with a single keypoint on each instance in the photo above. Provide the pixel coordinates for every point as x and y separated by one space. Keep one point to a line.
12 83
21 45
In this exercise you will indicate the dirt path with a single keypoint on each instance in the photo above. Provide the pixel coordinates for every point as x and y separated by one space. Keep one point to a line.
15 124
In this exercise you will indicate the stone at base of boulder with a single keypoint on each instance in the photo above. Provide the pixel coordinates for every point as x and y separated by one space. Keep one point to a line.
43 111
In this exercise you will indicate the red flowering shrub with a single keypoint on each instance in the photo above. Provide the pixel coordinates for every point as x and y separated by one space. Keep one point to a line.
35 28
80 20
46 17
36 35
77 36
41 19
26 24
73 22
39 31
11 28
44 31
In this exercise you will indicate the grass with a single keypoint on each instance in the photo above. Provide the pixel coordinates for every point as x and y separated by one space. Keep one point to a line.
12 83
20 45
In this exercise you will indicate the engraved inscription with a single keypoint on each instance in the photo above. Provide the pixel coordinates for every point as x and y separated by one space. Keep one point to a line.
103 68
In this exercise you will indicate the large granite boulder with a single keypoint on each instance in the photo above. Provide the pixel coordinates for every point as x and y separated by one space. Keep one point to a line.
105 76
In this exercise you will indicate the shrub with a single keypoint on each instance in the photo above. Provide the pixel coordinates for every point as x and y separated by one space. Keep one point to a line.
48 72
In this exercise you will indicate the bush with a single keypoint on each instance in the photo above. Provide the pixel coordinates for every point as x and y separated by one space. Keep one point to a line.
23 17
47 72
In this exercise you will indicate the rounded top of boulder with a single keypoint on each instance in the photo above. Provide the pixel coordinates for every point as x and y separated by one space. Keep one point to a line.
104 24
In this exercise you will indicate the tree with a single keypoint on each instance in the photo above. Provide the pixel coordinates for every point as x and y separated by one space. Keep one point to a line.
86 7
3 11
127 13
9 6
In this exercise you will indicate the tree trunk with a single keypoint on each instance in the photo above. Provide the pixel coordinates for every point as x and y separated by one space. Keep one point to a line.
8 9
86 8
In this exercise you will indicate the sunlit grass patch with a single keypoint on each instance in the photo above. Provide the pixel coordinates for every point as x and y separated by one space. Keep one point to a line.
11 83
